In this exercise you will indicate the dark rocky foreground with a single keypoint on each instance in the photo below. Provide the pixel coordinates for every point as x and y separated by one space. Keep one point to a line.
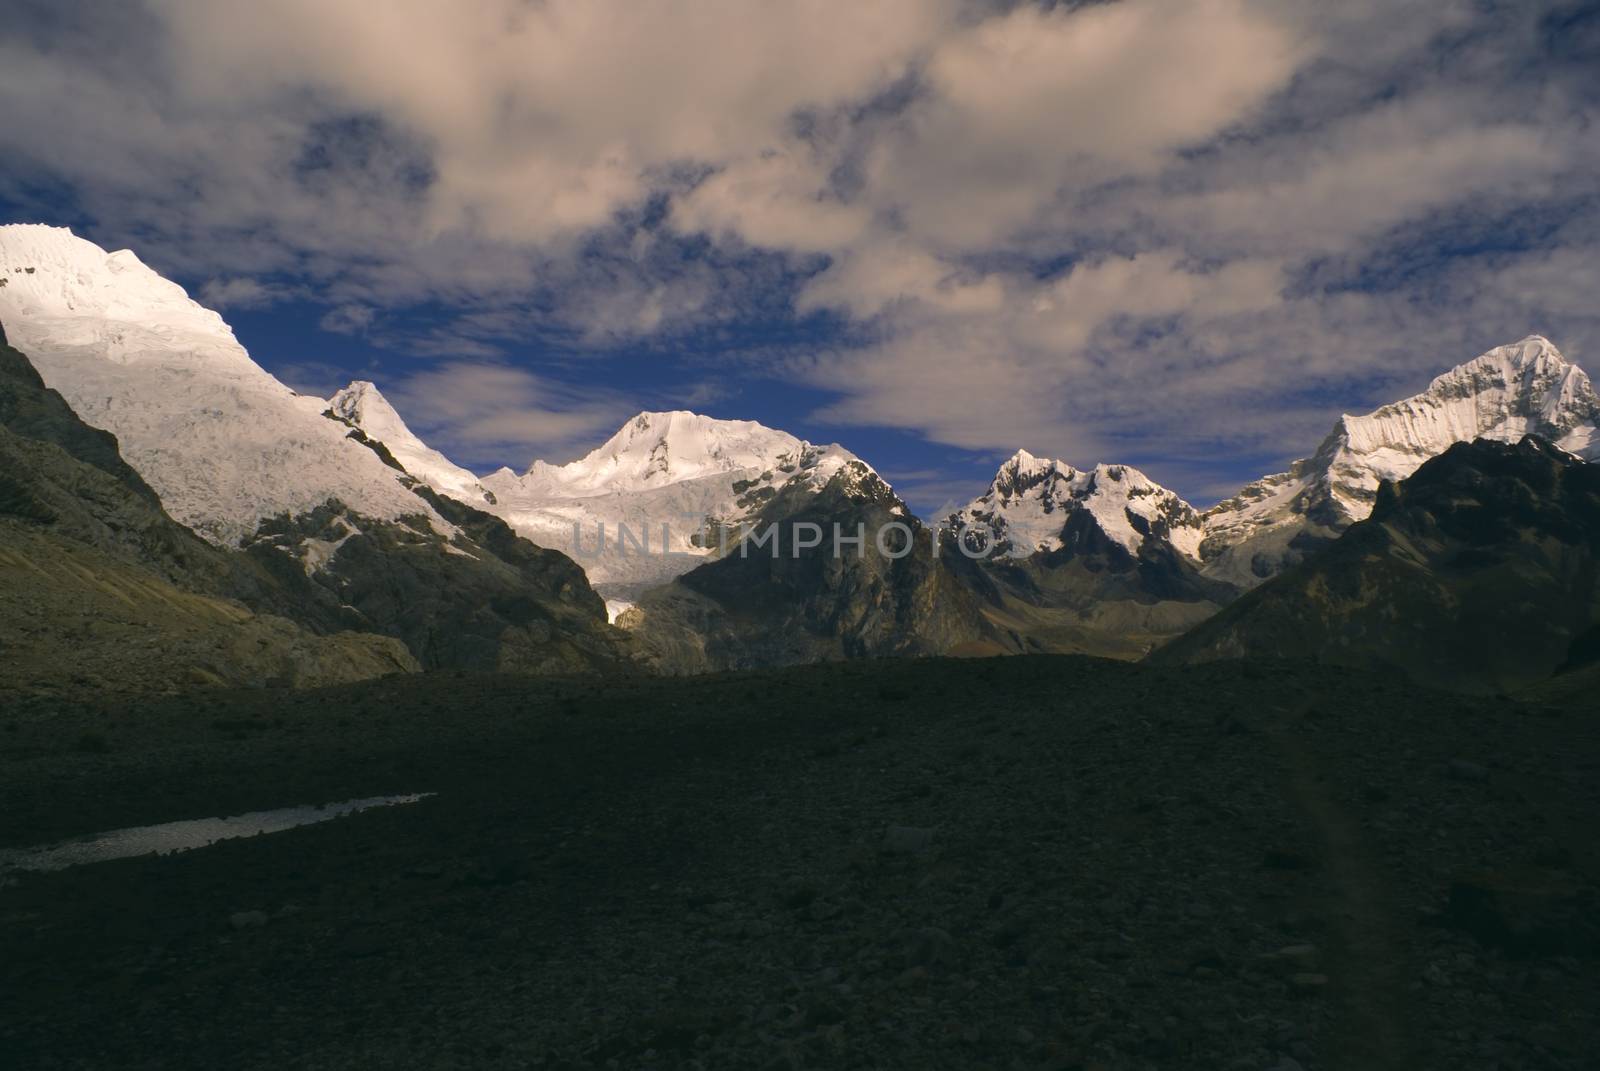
1039 862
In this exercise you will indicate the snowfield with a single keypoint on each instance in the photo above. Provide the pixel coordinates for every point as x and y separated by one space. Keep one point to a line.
219 439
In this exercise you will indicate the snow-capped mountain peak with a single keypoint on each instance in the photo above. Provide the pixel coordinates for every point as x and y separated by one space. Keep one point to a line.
65 289
362 405
221 441
1022 472
676 481
656 449
1524 388
1030 499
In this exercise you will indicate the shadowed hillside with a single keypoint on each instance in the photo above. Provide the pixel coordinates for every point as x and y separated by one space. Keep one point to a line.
1477 573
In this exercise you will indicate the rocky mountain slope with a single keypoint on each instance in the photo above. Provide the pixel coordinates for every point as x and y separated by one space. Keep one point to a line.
322 509
351 521
1480 571
101 590
796 598
1088 592
1099 561
482 598
1527 388
1091 595
1107 561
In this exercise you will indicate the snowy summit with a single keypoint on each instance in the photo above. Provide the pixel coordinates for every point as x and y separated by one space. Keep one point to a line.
221 441
1028 503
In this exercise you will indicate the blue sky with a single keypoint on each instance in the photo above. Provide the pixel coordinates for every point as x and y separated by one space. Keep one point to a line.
1184 236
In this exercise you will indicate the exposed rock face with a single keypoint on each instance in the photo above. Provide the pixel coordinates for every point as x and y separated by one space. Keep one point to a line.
30 410
101 589
352 522
1091 595
1097 561
801 604
483 598
1085 563
1481 571
1527 388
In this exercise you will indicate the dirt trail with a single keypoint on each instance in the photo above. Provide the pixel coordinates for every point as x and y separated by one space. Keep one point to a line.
1365 960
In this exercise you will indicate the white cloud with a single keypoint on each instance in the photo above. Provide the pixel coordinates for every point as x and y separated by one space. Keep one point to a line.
1355 178
1046 222
1025 106
772 200
866 280
543 120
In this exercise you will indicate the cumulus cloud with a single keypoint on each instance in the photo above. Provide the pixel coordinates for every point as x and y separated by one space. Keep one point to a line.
1023 107
1383 214
1137 230
543 120
773 200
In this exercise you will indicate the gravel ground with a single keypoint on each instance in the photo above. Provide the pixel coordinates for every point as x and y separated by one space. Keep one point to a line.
1039 862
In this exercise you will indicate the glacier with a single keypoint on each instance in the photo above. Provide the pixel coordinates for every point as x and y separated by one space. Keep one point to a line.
679 484
222 441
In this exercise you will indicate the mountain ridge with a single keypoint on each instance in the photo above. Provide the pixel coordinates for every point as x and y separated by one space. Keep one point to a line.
223 442
363 406
785 602
249 464
342 492
95 575
679 482
1525 387
1477 572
